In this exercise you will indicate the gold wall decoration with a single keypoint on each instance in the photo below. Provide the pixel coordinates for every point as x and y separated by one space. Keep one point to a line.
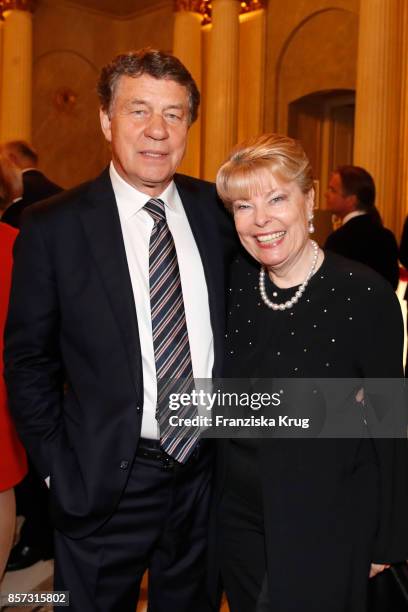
195 6
65 100
252 5
205 7
17 5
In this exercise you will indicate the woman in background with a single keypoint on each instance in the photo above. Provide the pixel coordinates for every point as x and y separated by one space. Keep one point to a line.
13 463
303 523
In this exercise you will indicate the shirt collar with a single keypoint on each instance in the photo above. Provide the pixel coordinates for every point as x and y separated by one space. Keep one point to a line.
29 170
130 200
352 214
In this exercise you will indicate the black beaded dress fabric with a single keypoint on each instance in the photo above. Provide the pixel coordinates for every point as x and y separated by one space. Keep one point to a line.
327 507
346 324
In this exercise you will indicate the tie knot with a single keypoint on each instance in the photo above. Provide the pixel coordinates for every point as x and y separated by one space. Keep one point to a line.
155 208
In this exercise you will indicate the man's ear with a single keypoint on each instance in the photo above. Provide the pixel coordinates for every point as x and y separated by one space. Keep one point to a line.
105 124
352 202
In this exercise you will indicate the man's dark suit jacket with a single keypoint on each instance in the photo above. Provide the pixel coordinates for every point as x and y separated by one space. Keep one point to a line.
364 240
36 187
72 320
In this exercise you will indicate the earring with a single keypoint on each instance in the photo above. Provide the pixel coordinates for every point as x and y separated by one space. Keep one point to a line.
311 226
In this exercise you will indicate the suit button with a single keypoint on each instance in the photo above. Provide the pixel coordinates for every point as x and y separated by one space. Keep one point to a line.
137 408
124 465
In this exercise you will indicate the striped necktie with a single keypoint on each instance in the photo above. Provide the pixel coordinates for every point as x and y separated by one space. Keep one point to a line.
170 337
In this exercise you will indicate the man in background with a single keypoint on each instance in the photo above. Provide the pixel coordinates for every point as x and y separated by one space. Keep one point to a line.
36 186
403 255
362 237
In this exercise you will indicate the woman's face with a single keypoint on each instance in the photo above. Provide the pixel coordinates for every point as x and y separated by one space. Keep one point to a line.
273 223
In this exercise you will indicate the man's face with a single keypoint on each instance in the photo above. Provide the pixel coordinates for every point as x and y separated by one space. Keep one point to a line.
337 202
147 127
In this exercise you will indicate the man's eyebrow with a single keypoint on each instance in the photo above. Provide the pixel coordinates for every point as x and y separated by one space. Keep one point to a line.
135 101
141 101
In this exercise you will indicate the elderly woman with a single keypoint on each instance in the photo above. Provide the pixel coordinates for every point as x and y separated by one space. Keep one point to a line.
303 523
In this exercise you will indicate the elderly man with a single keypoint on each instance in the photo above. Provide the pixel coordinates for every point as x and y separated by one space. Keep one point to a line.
125 280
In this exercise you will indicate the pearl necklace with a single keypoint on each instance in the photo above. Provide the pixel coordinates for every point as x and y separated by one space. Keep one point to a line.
299 292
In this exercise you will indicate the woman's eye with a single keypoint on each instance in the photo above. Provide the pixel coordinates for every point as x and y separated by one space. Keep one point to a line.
277 199
241 206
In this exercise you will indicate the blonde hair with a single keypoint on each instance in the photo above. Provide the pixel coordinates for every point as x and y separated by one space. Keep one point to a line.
244 172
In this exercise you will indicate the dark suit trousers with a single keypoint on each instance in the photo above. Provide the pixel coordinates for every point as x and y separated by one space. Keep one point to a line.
160 524
37 529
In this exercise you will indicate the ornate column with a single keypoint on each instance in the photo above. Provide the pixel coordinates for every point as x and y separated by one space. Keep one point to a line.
187 47
402 197
378 101
16 74
222 85
251 71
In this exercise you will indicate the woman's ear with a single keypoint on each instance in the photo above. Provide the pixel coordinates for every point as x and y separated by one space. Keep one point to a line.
310 200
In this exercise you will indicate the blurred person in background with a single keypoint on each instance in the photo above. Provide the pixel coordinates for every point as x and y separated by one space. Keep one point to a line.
11 184
361 237
22 186
403 255
13 464
36 186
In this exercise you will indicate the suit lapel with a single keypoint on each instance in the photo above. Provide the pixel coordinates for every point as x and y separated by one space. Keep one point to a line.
204 228
203 223
100 219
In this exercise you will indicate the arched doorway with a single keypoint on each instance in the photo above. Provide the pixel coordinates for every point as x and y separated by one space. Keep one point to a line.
324 123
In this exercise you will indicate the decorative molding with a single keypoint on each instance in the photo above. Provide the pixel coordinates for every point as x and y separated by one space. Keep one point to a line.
205 7
17 5
65 100
252 5
78 5
194 6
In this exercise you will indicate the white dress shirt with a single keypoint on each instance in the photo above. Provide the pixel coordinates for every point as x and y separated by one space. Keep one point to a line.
137 227
352 214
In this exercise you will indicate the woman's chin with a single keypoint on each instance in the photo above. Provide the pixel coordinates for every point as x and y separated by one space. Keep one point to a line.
272 260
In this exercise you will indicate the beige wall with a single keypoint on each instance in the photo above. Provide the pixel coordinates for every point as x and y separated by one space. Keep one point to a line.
148 28
70 47
311 45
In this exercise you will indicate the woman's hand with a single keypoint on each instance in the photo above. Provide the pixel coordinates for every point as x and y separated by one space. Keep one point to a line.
377 568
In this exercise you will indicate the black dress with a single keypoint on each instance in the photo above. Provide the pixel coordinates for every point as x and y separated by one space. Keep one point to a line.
303 519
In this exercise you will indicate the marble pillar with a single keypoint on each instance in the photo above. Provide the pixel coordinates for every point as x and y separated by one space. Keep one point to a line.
378 100
402 197
16 74
221 125
187 47
251 74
